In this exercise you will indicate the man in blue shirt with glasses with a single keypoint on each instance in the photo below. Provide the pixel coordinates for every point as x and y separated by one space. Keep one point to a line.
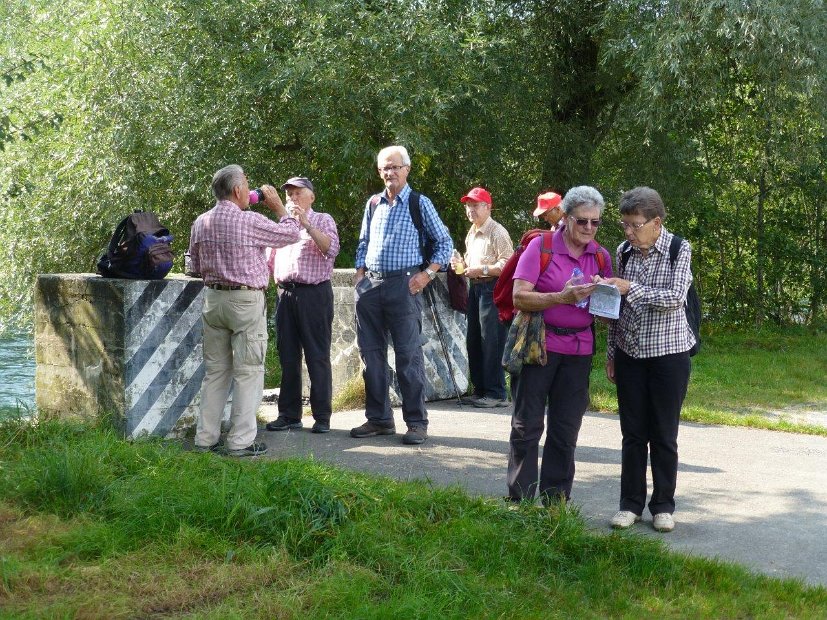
391 273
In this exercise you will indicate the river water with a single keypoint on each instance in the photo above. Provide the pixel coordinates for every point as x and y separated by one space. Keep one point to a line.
16 371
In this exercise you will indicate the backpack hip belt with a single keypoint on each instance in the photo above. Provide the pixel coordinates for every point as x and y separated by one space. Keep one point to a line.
567 331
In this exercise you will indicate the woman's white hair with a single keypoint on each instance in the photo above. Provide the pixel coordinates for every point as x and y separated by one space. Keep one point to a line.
582 195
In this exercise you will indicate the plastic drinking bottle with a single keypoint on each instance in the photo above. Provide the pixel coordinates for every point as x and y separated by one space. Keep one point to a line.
577 277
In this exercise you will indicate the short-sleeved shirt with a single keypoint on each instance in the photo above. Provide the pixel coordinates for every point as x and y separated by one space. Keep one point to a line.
490 244
303 261
652 319
553 280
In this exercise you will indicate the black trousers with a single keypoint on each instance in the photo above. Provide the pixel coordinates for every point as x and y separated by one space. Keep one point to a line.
650 393
485 341
564 383
304 324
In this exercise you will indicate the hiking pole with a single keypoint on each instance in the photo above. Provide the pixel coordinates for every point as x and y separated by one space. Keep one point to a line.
438 326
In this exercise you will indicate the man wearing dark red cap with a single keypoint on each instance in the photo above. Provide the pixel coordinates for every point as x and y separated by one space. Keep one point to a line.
487 248
304 319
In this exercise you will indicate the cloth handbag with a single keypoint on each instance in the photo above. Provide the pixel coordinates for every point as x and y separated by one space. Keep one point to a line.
526 342
457 291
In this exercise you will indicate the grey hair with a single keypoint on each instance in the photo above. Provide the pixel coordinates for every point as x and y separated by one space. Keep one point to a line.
225 180
642 201
390 150
582 195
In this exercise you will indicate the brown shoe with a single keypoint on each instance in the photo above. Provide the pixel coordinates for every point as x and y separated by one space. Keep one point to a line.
370 429
415 435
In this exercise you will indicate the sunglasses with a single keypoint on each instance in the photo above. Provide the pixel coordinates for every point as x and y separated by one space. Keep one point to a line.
584 221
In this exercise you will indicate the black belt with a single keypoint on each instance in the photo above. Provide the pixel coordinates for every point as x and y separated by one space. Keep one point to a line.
566 331
482 279
384 275
233 287
289 286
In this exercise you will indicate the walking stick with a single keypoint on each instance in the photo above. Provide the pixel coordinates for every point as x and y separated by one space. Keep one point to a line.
429 296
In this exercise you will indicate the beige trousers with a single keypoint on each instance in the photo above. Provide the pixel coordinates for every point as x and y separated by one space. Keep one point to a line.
235 342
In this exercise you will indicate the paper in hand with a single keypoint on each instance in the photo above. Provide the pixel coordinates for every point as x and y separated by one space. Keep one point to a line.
605 301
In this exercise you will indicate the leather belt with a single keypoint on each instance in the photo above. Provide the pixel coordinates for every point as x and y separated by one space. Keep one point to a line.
482 279
289 286
384 275
233 287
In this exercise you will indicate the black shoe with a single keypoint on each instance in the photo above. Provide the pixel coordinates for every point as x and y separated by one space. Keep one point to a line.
369 429
212 448
254 449
320 427
415 435
284 424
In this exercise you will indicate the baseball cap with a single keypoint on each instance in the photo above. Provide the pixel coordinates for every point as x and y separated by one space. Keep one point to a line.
298 182
546 201
477 194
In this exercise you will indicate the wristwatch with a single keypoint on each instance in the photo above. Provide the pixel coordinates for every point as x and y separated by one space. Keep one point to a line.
485 271
431 273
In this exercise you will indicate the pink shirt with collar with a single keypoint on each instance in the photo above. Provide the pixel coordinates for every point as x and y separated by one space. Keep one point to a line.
553 280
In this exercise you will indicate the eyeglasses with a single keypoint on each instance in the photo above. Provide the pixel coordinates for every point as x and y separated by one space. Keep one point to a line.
392 168
583 221
635 227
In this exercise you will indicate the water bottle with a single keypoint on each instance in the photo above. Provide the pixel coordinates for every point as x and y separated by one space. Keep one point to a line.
577 277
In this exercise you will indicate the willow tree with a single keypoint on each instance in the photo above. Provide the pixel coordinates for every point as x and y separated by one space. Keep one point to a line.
738 89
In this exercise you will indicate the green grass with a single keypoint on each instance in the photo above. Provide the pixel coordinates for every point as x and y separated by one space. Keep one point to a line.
93 526
738 377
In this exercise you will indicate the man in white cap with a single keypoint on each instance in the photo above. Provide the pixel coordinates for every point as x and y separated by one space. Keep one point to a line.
304 319
487 248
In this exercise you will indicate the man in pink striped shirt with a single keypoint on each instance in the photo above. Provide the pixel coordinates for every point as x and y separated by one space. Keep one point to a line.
304 319
227 247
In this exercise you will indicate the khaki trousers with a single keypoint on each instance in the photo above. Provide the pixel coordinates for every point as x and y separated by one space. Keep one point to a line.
235 343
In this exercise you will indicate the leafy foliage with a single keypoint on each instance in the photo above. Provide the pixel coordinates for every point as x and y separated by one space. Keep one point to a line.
108 106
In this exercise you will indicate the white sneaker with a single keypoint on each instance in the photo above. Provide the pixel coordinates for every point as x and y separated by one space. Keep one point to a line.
624 519
663 522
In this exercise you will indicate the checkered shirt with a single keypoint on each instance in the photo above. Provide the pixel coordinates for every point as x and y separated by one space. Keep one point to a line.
227 245
389 240
652 318
303 261
488 245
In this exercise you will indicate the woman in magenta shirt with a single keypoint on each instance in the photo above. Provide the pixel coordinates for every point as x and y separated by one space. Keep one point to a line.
563 382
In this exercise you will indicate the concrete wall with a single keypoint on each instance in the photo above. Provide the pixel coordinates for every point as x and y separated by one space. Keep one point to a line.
126 348
132 349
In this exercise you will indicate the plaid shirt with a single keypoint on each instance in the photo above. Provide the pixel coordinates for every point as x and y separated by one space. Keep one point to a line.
652 318
303 261
227 245
389 240
489 245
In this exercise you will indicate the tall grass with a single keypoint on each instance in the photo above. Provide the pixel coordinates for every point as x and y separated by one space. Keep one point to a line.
329 543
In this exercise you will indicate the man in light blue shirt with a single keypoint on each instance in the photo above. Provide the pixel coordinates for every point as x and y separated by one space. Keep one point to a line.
391 273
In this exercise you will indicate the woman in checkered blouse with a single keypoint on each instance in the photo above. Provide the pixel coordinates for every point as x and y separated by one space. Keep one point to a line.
648 357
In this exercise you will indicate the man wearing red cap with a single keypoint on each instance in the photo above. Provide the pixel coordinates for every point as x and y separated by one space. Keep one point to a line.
548 208
487 248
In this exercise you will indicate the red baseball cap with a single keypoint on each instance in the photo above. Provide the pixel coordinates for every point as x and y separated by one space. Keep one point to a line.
546 201
477 194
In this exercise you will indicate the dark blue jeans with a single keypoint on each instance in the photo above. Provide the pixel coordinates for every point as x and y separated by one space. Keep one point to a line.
485 341
386 307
